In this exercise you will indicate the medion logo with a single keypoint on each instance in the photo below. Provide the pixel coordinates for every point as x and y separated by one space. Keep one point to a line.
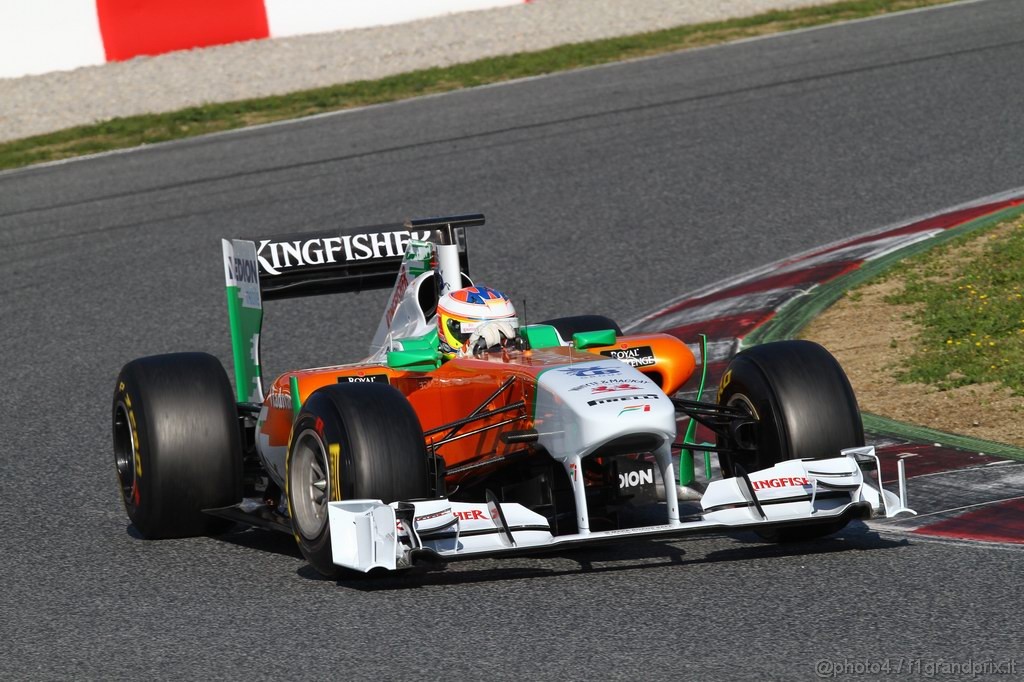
632 479
277 256
242 270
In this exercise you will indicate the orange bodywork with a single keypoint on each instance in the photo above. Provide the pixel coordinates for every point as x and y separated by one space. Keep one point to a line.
461 386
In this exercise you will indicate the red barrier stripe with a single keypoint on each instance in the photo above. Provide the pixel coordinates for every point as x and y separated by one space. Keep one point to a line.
149 27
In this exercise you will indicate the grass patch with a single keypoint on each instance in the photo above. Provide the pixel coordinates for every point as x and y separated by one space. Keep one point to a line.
969 298
132 131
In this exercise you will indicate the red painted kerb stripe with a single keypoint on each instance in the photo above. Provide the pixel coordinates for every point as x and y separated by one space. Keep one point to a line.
149 27
1002 522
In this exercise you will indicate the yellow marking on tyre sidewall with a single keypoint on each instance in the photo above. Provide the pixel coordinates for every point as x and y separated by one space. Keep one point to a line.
288 485
334 450
726 378
136 455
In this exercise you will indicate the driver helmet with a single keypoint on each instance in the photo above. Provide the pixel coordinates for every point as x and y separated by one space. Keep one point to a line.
462 312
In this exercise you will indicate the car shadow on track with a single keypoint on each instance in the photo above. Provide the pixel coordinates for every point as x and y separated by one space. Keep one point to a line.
628 556
262 540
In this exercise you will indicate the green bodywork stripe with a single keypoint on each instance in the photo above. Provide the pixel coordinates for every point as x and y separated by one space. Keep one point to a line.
417 360
245 326
293 384
245 316
686 470
601 337
540 336
418 354
427 341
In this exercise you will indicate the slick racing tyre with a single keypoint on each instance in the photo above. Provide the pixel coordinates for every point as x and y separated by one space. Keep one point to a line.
567 326
177 444
804 407
351 441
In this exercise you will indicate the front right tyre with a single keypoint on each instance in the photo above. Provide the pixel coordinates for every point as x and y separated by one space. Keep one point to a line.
351 441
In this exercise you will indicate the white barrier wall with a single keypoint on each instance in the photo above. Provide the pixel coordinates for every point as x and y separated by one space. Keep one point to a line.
55 35
295 17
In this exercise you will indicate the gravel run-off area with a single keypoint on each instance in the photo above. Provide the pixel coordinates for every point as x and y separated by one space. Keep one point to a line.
886 336
33 105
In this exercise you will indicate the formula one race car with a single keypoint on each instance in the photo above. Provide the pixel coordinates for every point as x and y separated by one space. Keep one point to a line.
463 437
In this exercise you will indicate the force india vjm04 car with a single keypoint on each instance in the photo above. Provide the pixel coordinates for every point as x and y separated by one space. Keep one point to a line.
552 438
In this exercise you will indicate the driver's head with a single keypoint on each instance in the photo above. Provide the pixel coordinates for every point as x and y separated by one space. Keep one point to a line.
463 312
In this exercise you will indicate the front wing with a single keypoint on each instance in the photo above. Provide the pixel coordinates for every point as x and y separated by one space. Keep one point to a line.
368 534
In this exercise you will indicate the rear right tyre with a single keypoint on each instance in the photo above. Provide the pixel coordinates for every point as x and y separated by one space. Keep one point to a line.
177 444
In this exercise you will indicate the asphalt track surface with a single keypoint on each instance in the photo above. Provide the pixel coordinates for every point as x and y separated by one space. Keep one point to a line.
607 190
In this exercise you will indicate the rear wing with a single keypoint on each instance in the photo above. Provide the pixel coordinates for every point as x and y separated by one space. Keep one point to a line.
313 263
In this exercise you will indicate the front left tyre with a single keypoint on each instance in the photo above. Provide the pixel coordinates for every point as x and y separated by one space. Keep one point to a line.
804 408
177 444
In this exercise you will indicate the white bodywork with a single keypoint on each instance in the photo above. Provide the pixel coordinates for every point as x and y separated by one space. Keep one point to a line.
404 318
583 406
368 534
586 404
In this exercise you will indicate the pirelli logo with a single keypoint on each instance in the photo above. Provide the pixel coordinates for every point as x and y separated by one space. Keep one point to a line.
621 398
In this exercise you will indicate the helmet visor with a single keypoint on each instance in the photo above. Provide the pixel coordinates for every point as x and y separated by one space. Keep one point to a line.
459 331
